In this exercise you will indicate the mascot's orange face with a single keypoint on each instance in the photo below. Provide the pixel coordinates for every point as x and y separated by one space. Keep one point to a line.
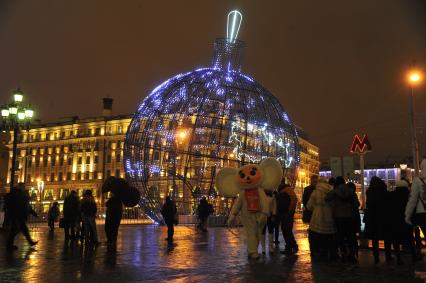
249 176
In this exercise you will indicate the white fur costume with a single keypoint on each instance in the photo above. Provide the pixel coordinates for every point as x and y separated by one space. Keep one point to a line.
233 181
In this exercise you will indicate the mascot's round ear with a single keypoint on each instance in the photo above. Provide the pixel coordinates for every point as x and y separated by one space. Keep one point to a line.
226 182
272 174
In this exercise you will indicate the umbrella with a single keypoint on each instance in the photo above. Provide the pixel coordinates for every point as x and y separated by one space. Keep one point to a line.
130 196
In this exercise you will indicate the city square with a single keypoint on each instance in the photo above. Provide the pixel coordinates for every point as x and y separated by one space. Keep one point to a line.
217 256
214 141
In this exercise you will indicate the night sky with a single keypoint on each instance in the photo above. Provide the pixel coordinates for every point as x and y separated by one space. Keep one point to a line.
336 66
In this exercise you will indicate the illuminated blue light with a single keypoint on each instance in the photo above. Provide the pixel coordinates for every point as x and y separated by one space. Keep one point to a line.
223 111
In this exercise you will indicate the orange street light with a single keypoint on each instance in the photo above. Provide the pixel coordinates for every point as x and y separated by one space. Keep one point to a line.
182 134
414 77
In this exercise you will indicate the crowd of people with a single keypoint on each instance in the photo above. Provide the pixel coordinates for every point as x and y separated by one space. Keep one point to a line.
331 209
78 222
393 215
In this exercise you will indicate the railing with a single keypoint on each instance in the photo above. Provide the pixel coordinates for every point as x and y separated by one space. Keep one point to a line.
135 215
132 215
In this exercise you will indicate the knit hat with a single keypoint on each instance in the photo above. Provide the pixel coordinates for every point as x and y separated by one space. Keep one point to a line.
401 184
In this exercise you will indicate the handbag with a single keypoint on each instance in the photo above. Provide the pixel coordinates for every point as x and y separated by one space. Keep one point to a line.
61 223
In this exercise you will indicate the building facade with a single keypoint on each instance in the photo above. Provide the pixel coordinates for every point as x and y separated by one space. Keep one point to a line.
79 154
309 163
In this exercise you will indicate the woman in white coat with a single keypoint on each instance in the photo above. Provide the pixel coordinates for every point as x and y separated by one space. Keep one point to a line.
321 226
416 206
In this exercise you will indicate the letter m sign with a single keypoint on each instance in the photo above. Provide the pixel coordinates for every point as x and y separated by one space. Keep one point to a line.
360 145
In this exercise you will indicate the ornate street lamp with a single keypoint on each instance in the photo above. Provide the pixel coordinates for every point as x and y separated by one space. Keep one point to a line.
14 117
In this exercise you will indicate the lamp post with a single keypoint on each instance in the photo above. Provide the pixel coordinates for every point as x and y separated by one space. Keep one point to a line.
414 78
14 117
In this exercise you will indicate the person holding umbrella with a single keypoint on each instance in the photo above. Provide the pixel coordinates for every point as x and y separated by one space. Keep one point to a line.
114 212
121 193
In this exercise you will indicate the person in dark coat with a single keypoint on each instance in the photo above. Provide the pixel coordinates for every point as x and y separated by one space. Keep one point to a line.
53 215
397 231
18 208
286 206
204 210
307 214
114 213
169 212
344 202
88 213
375 214
357 215
71 212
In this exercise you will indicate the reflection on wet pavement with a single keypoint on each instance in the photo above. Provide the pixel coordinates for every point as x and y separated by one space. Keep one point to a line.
143 255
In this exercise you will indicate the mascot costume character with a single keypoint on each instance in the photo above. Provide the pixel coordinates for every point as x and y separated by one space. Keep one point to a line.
249 183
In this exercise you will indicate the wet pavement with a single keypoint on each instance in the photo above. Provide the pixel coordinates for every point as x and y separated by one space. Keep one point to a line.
142 255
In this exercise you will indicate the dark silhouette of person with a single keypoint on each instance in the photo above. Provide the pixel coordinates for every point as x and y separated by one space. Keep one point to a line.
344 203
204 210
286 206
307 214
169 212
18 208
88 213
375 214
71 212
114 212
53 215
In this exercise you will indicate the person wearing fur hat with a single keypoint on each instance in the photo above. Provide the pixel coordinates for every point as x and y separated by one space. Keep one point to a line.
321 226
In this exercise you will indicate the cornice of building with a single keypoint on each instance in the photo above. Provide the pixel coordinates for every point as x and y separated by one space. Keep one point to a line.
76 120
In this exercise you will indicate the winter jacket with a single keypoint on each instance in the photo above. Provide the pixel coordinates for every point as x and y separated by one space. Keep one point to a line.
53 213
71 208
88 207
204 209
322 221
418 191
307 214
169 212
17 205
282 203
343 201
114 210
375 214
396 228
293 199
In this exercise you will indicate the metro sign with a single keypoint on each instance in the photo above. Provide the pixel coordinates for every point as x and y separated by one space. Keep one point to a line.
360 145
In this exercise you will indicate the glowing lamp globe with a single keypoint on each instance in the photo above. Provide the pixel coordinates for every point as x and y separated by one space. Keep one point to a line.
197 122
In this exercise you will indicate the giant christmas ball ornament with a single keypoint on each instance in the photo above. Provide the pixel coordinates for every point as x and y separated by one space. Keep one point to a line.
195 123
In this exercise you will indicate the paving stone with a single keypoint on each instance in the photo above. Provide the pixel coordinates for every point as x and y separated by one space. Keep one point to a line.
143 255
